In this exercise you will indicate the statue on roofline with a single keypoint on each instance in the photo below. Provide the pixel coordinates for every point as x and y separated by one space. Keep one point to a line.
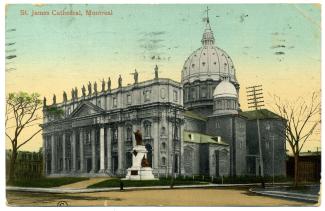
89 88
120 81
83 90
156 72
76 92
103 85
72 94
109 83
54 99
135 75
65 98
95 87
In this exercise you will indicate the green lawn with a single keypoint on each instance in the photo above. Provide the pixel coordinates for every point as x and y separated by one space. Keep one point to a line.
130 183
46 182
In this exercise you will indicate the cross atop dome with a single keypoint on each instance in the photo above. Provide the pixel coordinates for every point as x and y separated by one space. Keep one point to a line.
207 10
207 38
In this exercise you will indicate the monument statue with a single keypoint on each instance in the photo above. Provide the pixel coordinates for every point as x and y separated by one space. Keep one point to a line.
138 137
144 162
109 83
156 72
120 82
83 90
54 99
44 101
65 98
95 87
140 169
103 85
89 88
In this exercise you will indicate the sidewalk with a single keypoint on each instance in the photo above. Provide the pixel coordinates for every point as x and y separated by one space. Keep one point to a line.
84 184
307 197
63 189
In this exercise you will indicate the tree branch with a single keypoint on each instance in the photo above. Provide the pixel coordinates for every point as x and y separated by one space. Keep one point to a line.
28 139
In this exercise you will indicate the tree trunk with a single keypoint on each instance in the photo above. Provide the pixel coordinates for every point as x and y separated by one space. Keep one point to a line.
296 169
12 166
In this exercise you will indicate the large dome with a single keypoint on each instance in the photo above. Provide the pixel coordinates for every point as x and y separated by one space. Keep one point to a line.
208 62
225 89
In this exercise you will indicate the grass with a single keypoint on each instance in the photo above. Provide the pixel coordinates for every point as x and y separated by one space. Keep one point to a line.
249 179
143 183
46 182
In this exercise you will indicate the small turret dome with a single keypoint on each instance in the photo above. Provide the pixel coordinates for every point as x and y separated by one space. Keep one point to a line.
225 89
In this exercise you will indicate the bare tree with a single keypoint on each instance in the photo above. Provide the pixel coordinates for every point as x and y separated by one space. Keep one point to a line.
21 113
300 118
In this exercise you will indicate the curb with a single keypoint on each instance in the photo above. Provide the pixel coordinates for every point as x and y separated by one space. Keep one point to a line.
287 195
92 190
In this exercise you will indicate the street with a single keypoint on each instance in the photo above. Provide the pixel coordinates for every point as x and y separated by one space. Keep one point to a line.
167 197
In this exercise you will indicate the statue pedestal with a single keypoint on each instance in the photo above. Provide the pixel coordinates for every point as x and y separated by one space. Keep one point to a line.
137 172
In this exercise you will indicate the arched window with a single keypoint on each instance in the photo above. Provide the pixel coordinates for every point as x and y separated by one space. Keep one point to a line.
129 133
193 93
114 134
149 154
176 163
219 105
217 124
68 147
147 129
203 92
163 161
128 159
87 138
163 146
163 131
176 132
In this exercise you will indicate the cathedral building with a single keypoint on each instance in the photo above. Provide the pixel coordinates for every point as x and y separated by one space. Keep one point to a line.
192 127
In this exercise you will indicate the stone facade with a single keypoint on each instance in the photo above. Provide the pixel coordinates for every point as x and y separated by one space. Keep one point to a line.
94 135
273 144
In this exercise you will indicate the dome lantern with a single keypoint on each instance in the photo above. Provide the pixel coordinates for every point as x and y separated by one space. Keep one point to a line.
207 38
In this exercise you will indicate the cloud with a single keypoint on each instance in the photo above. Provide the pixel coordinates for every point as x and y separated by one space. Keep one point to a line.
152 44
278 46
279 53
155 33
242 17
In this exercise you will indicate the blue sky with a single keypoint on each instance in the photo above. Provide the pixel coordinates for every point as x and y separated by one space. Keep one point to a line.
276 45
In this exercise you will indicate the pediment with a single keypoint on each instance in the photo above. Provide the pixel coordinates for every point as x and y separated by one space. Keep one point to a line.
86 109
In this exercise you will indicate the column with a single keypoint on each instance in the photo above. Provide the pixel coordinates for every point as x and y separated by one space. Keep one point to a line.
44 149
181 157
93 150
155 145
102 150
109 149
81 145
64 157
53 161
120 147
73 153
135 127
170 147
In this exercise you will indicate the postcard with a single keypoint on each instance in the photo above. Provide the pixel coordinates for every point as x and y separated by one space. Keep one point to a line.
163 104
